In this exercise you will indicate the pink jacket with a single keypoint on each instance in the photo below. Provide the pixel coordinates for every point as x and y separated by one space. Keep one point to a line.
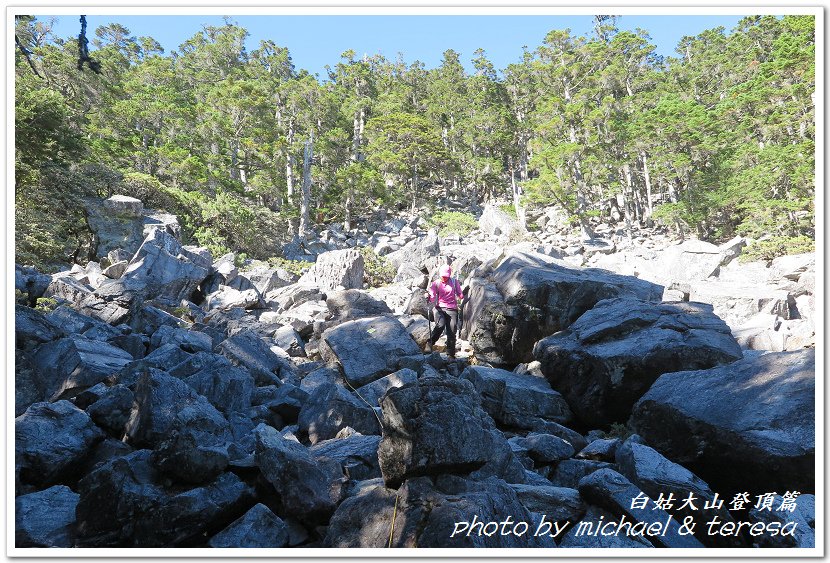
446 293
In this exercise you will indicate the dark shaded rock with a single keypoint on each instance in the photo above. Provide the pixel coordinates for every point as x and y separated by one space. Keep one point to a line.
593 516
248 349
227 387
288 401
45 518
303 486
134 344
259 527
558 504
610 356
517 400
545 449
329 409
27 388
610 490
51 441
160 399
112 411
600 450
367 349
655 475
104 452
123 505
357 454
32 328
69 365
166 357
796 524
416 441
569 472
529 296
426 513
573 437
747 426
28 280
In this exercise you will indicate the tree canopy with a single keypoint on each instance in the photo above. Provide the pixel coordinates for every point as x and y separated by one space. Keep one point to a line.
719 140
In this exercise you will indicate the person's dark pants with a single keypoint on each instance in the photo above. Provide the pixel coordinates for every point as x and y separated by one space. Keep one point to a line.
445 319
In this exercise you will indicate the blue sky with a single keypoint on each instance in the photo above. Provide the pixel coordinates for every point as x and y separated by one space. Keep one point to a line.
315 41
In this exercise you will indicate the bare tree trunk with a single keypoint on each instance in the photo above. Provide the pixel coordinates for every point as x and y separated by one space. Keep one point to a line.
626 208
289 163
517 195
647 177
347 219
308 154
414 187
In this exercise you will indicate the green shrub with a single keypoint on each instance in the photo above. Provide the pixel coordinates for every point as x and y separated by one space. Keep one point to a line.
777 246
45 304
226 222
377 270
296 267
510 209
50 220
448 222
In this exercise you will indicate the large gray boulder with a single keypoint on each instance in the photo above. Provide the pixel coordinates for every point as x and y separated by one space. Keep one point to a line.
117 223
162 267
609 490
367 349
529 296
357 454
259 527
330 408
304 487
653 474
354 303
246 348
496 222
372 392
426 514
749 425
336 269
517 400
45 518
558 504
51 441
612 354
416 440
418 252
738 302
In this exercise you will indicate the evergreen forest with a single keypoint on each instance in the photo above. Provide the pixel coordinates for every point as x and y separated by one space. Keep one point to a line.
248 150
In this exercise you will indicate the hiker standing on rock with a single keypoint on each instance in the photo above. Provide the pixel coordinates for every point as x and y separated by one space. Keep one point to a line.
445 293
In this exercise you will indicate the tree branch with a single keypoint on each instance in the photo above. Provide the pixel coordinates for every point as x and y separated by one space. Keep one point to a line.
27 53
